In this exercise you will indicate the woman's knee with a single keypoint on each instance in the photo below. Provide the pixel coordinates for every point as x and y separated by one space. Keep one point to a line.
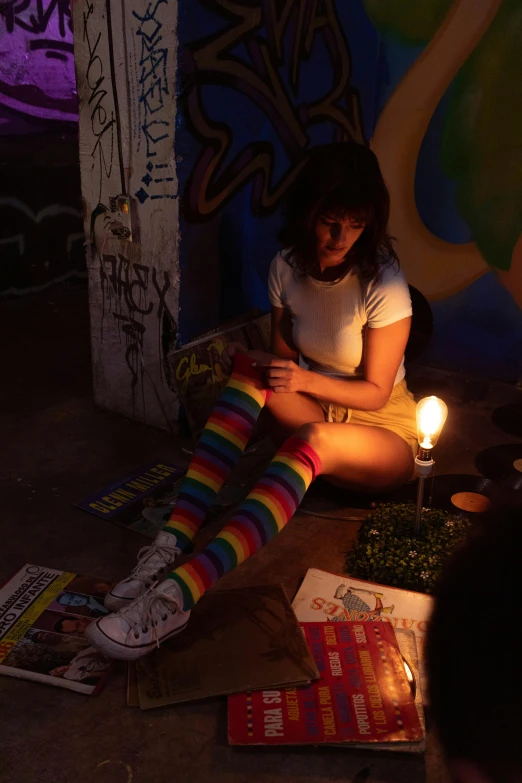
315 434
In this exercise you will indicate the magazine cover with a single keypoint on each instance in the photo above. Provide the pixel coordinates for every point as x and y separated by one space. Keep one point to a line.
43 616
138 501
329 597
362 696
197 370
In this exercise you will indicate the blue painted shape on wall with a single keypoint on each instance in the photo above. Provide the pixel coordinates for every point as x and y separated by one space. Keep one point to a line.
434 192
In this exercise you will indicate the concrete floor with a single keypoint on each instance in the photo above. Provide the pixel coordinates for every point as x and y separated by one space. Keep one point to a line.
57 448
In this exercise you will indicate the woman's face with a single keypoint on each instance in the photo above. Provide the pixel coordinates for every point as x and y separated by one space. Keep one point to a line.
335 236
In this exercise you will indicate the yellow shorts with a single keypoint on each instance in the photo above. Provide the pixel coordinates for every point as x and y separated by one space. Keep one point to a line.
398 415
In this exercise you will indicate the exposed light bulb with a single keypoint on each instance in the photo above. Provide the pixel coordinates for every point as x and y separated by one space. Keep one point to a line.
431 415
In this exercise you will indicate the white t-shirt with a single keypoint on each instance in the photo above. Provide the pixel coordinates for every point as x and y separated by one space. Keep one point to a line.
329 319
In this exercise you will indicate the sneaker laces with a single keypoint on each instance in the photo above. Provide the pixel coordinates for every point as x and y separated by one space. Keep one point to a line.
145 612
151 560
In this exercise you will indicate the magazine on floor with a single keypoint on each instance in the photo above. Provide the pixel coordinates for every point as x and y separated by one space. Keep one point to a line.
140 501
363 696
43 616
334 598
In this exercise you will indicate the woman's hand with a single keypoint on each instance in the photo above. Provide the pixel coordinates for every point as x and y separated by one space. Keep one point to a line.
284 376
227 357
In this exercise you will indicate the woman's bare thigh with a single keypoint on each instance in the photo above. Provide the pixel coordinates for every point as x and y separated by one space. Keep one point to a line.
284 414
355 456
360 457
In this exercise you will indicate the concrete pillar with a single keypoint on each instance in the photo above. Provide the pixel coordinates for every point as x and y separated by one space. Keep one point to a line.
125 54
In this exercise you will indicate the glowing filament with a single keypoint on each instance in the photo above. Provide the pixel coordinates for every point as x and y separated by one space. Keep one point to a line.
431 415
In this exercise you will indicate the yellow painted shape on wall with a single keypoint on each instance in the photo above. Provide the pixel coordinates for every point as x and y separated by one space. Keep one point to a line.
512 278
434 266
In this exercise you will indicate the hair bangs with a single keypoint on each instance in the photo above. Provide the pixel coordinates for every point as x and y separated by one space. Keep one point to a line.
344 204
339 180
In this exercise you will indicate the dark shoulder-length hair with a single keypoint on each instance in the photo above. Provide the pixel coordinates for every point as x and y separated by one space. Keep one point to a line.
340 179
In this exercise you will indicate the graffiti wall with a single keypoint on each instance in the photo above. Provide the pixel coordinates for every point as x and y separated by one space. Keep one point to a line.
260 82
41 228
433 86
41 232
126 69
448 138
37 59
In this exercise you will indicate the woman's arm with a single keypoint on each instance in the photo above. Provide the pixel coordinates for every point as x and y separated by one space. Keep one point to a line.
281 336
384 349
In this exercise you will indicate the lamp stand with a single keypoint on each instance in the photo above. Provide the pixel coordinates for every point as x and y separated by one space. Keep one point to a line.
423 468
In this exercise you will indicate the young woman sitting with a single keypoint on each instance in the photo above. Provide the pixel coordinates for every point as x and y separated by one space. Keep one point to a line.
333 390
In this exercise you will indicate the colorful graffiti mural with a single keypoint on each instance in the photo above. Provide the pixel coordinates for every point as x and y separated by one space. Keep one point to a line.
37 59
260 83
41 236
433 86
477 45
448 133
262 58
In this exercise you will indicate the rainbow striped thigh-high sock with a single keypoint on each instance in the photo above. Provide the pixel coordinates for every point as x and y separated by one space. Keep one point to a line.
260 517
222 442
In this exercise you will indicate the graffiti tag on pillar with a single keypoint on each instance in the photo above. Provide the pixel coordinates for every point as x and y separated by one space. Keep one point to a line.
36 58
261 52
156 119
136 294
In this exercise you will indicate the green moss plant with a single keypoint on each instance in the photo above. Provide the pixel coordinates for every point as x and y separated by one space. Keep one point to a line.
387 550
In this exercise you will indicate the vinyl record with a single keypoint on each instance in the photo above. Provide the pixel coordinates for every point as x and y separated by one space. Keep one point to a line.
462 492
456 493
508 418
499 461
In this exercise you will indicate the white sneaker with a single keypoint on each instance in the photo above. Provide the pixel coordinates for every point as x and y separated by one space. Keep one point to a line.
142 625
154 563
